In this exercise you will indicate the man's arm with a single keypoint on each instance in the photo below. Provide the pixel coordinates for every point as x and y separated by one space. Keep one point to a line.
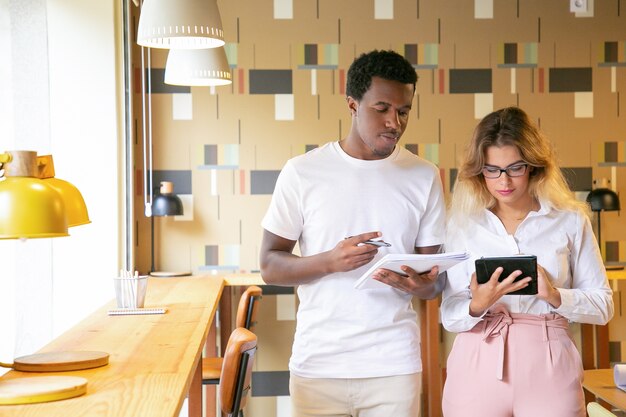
279 266
425 286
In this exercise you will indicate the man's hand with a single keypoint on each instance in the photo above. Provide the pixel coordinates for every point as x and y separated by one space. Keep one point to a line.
352 252
279 266
423 285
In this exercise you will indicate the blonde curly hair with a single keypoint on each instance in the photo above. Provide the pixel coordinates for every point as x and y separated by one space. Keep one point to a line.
510 126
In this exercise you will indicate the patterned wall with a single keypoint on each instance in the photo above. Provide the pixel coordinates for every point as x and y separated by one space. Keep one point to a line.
224 147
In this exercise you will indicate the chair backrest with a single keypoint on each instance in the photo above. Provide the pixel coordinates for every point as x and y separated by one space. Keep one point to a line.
596 410
236 374
248 306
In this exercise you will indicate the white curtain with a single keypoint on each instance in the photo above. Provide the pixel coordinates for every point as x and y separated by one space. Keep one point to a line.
60 94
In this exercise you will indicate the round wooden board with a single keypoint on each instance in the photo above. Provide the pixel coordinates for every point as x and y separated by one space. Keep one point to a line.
41 389
61 361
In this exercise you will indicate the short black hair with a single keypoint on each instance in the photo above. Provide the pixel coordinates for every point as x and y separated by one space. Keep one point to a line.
389 65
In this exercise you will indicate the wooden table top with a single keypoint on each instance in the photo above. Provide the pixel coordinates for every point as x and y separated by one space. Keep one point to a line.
617 274
600 382
243 279
152 357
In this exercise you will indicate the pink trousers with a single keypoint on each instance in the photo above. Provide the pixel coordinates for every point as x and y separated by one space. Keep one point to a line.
520 365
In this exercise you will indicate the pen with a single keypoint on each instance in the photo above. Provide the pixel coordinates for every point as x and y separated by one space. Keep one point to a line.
378 243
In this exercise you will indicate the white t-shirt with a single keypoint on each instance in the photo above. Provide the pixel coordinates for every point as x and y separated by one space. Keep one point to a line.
565 247
324 196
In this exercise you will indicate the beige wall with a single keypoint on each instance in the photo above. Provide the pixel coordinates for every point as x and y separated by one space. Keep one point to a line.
227 214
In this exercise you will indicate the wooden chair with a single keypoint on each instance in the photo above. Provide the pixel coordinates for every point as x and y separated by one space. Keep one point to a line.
596 410
246 318
236 372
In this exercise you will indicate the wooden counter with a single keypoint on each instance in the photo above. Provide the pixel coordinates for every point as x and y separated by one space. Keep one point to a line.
243 279
616 274
153 358
601 383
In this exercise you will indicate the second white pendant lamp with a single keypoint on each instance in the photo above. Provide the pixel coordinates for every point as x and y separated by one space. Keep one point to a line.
197 67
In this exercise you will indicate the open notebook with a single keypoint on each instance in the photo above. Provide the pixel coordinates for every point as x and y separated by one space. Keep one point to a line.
419 262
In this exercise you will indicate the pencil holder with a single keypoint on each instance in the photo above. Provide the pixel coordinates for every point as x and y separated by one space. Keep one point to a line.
130 292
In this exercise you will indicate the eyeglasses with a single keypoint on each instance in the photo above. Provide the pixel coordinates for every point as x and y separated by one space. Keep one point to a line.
512 171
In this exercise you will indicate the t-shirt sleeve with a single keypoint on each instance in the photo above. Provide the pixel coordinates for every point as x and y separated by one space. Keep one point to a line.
284 214
432 224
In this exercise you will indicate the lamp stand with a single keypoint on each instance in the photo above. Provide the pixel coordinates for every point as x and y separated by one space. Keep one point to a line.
602 354
151 244
600 234
607 267
163 274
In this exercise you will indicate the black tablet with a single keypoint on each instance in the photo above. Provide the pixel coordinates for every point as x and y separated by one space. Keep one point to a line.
525 263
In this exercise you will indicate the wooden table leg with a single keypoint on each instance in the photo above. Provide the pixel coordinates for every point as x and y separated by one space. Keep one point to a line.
595 357
226 318
594 350
209 391
431 374
195 392
587 349
602 346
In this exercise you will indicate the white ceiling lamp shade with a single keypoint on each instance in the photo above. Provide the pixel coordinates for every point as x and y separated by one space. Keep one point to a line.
197 67
180 24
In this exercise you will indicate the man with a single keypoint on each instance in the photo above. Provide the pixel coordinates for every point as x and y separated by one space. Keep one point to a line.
357 352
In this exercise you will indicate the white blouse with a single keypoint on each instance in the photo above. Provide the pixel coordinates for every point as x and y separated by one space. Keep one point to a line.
565 247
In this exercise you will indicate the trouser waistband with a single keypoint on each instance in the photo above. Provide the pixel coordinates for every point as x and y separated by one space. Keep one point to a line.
497 321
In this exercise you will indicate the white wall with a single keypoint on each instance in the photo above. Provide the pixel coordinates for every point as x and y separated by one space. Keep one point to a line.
59 83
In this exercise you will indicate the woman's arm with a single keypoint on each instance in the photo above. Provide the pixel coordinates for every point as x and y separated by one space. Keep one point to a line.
590 299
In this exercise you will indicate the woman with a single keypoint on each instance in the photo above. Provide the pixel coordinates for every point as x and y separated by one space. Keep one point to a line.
514 355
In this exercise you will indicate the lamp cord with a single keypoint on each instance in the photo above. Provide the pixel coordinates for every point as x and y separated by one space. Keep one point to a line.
150 189
146 134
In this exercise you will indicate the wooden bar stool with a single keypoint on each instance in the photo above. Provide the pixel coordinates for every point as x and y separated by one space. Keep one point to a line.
246 318
236 372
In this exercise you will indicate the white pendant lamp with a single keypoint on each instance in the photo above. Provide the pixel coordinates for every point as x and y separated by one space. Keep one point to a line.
180 24
197 67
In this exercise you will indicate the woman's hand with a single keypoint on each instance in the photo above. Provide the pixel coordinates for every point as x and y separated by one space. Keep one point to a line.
545 290
485 295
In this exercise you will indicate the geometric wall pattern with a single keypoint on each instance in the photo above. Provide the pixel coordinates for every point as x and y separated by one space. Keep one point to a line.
612 153
224 146
470 80
570 80
517 55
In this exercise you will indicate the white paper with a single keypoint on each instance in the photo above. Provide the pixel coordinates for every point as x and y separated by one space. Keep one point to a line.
419 262
619 373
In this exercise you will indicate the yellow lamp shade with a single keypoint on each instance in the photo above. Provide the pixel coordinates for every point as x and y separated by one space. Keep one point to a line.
75 207
30 209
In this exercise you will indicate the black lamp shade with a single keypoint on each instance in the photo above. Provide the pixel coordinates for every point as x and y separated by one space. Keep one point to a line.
603 199
167 205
